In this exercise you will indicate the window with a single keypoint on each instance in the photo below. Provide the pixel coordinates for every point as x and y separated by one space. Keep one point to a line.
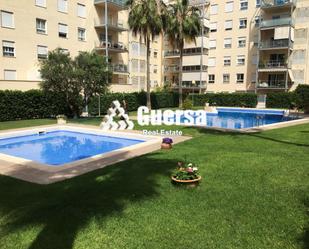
226 78
213 27
212 62
243 23
240 60
155 54
63 6
63 30
212 44
8 48
7 19
227 42
81 34
227 60
41 26
214 9
253 77
254 59
241 42
240 78
81 10
211 78
228 25
229 7
243 4
155 68
42 52
9 74
258 3
40 3
257 21
64 51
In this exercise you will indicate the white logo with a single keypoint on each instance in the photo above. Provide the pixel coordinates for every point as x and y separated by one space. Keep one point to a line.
169 117
116 110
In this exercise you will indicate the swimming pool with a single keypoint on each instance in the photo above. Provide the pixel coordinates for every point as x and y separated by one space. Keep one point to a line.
58 147
241 118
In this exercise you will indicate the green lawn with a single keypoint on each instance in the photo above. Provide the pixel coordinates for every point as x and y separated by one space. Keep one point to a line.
254 195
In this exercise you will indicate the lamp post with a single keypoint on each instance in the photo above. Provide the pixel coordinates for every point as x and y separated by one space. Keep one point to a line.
193 85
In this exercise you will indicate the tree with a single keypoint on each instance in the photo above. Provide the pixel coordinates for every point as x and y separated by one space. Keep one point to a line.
86 75
57 73
145 19
92 74
183 25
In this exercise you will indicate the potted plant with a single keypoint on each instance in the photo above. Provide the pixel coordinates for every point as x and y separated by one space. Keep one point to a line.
167 143
186 174
61 119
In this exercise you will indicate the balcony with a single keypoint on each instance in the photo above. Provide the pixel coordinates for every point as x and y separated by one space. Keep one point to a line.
277 22
111 24
270 4
187 85
276 44
116 47
186 52
271 85
273 66
119 68
171 69
116 4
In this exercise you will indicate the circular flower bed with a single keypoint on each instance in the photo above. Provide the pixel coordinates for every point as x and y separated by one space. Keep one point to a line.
186 174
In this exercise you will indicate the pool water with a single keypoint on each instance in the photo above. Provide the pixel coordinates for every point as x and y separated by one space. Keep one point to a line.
243 118
59 147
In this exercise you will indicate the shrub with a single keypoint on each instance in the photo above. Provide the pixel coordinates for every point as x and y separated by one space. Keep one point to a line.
302 97
227 99
15 105
284 100
187 104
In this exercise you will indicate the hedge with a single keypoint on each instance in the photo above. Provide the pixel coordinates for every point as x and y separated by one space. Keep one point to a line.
225 99
285 100
134 100
302 97
15 105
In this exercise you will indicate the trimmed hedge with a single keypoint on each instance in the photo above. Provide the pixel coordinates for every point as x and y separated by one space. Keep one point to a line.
226 99
285 100
15 105
302 97
134 100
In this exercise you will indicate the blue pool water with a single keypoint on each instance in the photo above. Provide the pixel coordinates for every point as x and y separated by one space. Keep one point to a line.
60 147
243 118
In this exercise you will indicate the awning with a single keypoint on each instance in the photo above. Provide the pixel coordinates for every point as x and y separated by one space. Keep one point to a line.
282 33
291 75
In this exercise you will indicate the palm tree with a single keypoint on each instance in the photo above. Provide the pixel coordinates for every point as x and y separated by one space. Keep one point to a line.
145 19
183 25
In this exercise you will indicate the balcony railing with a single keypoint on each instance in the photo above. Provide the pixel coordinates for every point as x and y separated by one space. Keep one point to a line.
277 22
117 2
112 45
276 44
273 64
187 51
111 23
190 86
119 68
171 69
271 84
277 3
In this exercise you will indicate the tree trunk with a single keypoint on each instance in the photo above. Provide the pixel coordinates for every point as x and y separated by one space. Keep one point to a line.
148 73
180 78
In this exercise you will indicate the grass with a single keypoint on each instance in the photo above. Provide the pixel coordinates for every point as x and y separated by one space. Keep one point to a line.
254 194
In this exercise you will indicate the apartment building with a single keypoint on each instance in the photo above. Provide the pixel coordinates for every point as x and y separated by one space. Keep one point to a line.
244 46
194 66
31 28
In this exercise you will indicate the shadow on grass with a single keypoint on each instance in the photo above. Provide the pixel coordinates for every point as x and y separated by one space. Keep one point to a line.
62 209
278 140
304 240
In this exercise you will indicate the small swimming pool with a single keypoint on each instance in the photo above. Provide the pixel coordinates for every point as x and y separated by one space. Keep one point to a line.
59 147
241 118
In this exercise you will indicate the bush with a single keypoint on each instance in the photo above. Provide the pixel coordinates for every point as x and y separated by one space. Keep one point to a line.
15 105
302 97
284 100
226 99
134 100
187 104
